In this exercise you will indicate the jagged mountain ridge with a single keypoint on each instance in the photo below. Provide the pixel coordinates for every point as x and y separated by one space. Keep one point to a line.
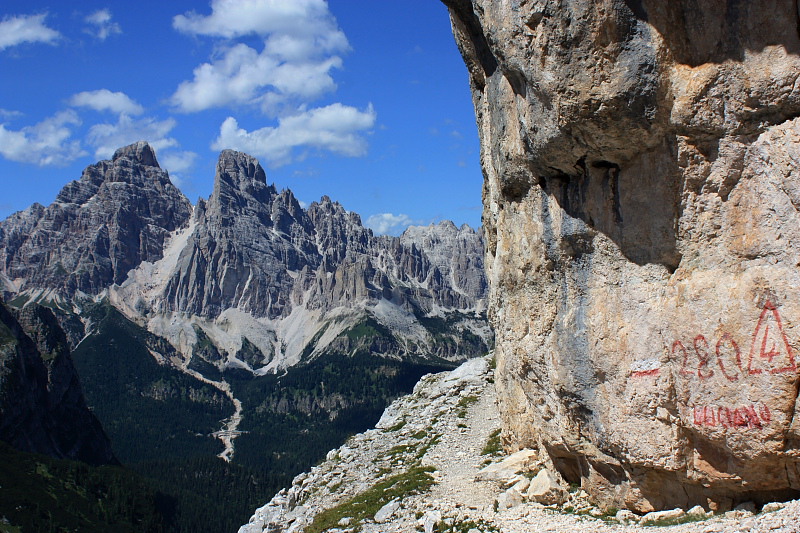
99 227
248 269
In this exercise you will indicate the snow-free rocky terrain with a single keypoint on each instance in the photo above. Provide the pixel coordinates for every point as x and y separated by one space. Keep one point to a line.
247 280
433 463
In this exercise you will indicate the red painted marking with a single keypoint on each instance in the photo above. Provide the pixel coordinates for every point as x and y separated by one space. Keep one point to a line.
642 373
683 371
727 337
727 420
746 416
775 349
703 372
698 416
763 410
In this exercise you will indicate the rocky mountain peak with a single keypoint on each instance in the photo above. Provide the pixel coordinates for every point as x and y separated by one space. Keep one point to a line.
240 187
100 227
139 153
240 171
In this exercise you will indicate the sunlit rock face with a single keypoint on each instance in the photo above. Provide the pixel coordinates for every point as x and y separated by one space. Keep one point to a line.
642 185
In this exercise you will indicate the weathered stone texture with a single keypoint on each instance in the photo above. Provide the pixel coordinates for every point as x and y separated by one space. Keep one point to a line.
641 215
99 227
258 250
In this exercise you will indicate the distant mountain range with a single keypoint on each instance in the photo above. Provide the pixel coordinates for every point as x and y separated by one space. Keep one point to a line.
248 266
246 318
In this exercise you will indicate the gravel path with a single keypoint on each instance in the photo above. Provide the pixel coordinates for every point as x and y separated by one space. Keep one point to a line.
445 425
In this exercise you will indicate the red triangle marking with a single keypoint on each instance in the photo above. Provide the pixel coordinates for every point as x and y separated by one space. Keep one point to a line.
768 352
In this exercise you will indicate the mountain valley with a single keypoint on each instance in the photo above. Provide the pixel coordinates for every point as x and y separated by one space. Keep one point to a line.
243 337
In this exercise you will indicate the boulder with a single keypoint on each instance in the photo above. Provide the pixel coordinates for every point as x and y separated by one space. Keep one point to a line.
386 512
642 221
508 499
546 489
505 472
655 517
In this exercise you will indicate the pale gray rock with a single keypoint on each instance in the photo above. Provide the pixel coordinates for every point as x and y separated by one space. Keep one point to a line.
99 228
546 489
385 512
508 499
506 471
696 512
641 221
625 516
248 278
431 520
655 517
275 255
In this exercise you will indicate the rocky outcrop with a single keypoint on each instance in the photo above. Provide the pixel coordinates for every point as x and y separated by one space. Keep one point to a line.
641 218
432 464
42 407
99 228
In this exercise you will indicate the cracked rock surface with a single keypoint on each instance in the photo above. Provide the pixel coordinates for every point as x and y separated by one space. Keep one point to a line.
641 216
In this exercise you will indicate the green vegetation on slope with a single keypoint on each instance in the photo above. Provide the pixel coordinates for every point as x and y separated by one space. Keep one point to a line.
364 505
39 493
159 419
148 410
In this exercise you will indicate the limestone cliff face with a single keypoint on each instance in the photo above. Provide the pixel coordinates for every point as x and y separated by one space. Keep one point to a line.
641 215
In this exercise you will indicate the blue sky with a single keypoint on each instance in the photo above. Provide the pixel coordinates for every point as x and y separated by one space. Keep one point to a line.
366 102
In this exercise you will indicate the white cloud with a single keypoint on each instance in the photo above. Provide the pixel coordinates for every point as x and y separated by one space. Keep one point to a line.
388 223
178 161
46 143
25 29
105 100
177 164
335 128
236 18
101 25
301 43
7 114
244 76
106 138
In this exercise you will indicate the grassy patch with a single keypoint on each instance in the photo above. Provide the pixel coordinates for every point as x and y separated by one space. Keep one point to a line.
398 426
480 525
400 449
427 446
366 504
464 403
493 446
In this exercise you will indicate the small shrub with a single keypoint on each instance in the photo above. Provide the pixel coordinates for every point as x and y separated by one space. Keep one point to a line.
493 446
